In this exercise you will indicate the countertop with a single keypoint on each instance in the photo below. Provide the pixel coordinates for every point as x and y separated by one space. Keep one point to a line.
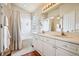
69 37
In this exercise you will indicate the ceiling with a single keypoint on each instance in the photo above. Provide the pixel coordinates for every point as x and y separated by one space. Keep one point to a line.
30 7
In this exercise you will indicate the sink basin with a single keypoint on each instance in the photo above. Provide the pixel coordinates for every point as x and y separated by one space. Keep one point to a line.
63 36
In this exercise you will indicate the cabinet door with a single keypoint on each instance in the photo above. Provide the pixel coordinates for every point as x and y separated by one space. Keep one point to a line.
48 50
62 52
40 47
68 46
35 38
35 44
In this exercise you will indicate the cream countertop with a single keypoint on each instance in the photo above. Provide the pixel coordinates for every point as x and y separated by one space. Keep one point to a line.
69 37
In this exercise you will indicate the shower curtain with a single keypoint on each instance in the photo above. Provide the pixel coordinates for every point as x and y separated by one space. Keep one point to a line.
6 34
14 27
13 16
16 30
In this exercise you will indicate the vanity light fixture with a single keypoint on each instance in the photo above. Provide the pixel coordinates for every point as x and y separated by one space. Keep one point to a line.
58 17
49 6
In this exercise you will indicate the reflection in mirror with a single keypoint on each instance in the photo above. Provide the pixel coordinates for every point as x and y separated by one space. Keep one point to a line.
69 22
56 23
45 25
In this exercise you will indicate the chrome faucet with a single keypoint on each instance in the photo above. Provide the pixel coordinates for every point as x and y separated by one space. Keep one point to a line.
62 33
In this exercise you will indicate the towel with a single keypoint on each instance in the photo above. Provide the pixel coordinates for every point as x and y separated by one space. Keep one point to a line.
6 37
5 21
6 34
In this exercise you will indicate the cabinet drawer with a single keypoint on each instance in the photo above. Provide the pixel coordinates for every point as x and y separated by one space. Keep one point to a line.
41 38
48 40
62 52
48 50
36 37
68 46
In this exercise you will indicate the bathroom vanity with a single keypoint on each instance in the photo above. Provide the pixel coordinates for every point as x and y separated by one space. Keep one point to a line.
62 20
54 44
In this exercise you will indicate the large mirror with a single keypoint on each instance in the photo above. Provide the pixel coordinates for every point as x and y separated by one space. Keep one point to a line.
65 18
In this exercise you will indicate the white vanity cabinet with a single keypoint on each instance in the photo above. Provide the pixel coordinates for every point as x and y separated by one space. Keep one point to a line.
62 52
44 46
47 46
35 42
48 50
74 48
40 47
38 44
